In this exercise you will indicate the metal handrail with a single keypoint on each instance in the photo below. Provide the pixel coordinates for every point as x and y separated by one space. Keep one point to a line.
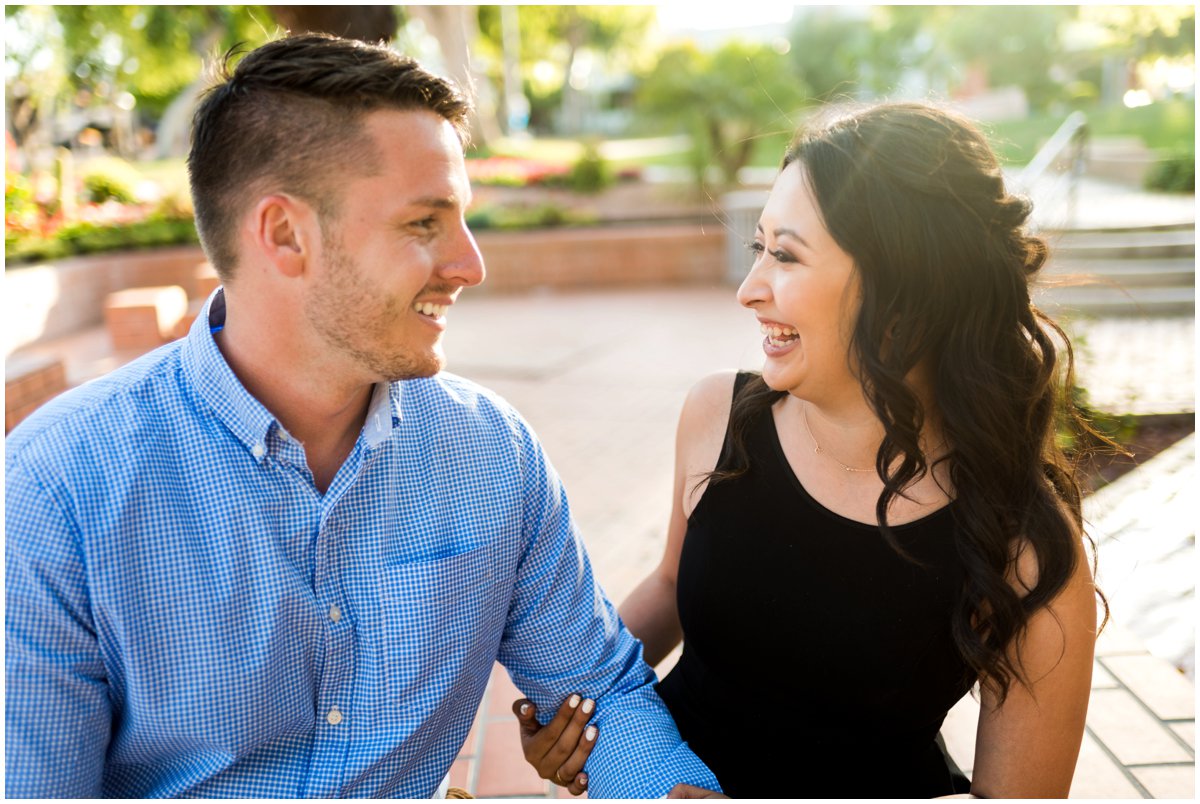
1072 136
1073 132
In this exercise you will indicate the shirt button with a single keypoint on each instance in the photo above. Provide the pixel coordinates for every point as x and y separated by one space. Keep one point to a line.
258 451
284 434
334 717
335 613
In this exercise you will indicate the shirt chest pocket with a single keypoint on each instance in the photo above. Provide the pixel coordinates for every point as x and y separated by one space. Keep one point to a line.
439 619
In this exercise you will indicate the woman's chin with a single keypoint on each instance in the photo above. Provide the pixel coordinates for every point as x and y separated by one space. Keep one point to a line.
778 381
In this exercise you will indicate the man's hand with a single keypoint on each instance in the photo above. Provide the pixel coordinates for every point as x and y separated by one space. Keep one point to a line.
558 750
691 791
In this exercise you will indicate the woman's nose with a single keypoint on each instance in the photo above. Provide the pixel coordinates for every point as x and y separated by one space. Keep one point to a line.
753 289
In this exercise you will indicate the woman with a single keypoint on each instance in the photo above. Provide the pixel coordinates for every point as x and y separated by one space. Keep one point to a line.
882 518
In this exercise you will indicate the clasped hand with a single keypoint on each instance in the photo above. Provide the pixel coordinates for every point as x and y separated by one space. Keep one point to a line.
558 750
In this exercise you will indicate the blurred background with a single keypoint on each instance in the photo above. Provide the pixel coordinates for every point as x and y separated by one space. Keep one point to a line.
585 96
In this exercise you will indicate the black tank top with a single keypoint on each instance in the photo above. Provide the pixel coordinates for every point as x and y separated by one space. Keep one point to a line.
817 662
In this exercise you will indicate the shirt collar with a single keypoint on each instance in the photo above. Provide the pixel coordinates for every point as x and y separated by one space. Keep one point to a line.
245 416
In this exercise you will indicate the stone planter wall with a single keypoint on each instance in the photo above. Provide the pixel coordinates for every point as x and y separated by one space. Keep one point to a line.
602 256
51 300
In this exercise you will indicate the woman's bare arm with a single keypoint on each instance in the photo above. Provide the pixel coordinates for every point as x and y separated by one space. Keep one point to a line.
650 610
1028 746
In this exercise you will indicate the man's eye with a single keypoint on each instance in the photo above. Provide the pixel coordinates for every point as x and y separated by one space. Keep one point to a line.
425 223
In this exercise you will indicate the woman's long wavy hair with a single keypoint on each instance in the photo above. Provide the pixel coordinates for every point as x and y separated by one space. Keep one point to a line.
915 195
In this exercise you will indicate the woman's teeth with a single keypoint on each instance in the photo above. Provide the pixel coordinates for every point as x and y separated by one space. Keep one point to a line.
779 336
432 310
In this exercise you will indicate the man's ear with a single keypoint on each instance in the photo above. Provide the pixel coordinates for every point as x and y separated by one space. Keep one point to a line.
284 230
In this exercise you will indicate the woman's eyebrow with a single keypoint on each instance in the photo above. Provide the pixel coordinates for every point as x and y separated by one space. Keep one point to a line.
783 230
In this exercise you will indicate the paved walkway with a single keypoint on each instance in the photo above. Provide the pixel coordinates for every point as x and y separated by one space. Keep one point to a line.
1140 740
601 376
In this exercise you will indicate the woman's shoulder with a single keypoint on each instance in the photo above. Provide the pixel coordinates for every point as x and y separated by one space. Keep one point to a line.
710 399
703 423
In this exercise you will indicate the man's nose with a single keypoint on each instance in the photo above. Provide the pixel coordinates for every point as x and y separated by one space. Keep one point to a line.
464 264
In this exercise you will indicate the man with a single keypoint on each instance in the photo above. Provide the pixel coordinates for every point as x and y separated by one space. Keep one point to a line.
280 556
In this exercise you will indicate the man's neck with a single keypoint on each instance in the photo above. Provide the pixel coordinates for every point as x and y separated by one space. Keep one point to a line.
321 409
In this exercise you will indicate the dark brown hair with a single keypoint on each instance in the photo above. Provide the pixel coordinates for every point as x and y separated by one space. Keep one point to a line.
915 195
288 119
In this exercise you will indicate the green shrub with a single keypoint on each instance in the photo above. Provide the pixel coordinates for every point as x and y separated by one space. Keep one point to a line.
85 238
591 173
111 179
31 248
18 197
1174 174
1096 432
88 238
542 216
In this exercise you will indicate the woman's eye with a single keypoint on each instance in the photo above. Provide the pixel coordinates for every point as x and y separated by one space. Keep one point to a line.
780 256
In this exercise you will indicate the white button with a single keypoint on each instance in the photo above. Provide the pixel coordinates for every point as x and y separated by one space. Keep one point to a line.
284 434
258 451
335 613
334 717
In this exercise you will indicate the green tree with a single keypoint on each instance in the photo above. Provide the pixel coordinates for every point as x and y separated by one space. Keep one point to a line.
35 72
726 99
153 52
840 54
1015 45
558 35
832 52
1145 32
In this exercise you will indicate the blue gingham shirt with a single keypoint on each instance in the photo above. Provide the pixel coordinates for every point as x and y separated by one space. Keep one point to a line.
187 615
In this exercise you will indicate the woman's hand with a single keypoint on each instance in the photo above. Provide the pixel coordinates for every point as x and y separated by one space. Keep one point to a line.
691 791
558 750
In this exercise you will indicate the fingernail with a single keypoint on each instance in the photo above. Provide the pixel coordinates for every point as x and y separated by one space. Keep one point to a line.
582 779
590 734
524 709
588 705
574 702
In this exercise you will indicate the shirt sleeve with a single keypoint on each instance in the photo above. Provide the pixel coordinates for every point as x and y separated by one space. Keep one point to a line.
57 706
563 636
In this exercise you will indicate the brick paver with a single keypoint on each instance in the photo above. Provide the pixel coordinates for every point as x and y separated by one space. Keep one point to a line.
1107 349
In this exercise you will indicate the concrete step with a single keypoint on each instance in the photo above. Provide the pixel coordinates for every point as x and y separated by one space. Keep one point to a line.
1177 272
1132 244
1170 226
1094 300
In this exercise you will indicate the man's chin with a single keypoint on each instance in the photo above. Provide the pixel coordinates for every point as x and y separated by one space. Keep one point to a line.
417 371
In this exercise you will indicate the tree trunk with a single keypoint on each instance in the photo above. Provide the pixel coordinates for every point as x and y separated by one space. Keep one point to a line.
455 28
365 23
173 135
571 115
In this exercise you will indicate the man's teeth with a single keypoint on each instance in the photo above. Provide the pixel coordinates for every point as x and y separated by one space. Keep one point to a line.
435 310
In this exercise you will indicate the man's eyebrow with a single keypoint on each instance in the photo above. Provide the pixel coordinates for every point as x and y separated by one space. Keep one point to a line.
436 202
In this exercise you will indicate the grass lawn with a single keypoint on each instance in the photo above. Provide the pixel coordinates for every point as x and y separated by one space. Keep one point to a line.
1167 126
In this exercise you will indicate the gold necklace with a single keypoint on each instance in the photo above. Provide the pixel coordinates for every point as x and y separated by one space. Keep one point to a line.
817 447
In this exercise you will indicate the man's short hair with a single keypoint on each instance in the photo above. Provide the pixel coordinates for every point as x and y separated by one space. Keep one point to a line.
289 118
